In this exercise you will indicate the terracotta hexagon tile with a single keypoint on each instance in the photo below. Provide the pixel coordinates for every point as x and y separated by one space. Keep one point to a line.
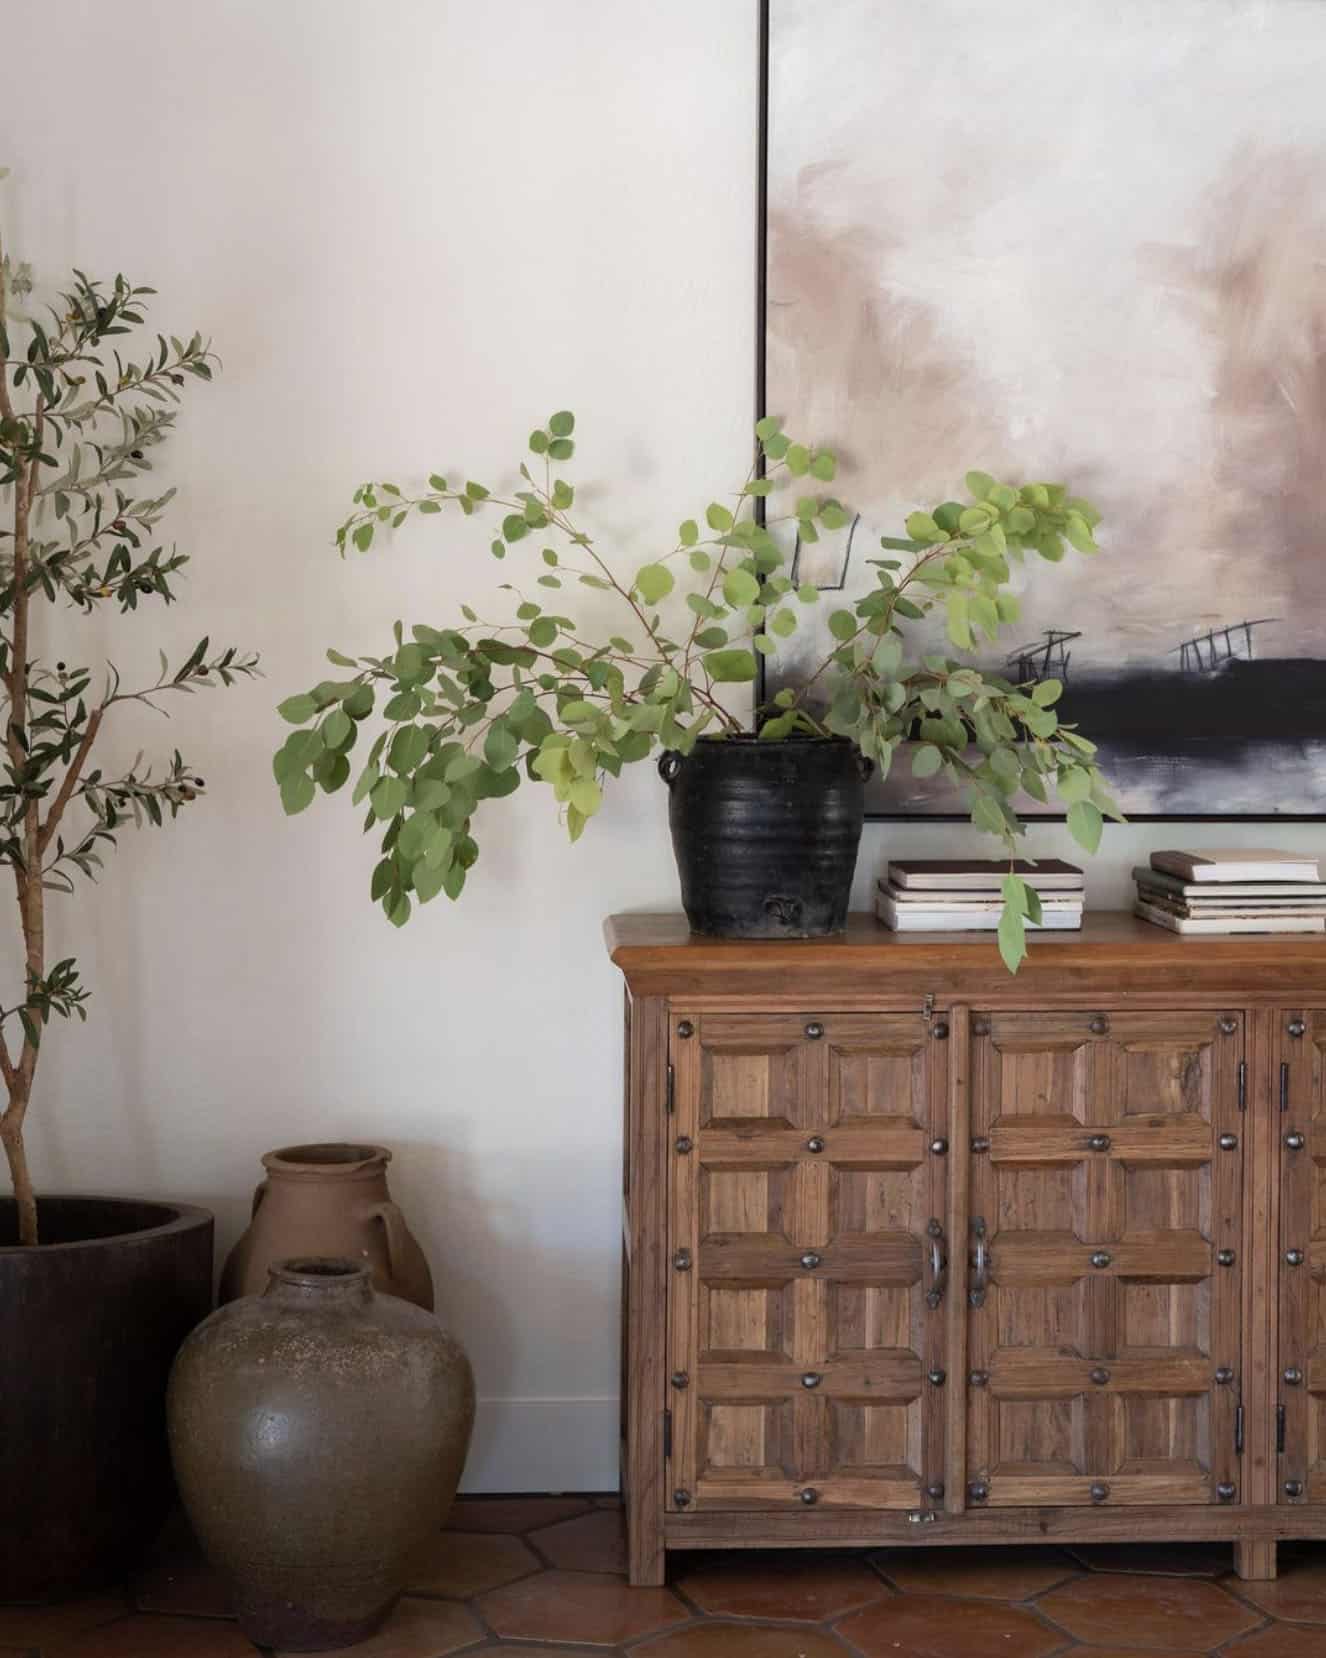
1298 1594
513 1514
145 1635
1279 1641
928 1626
1157 1559
741 1640
1131 1652
1154 1613
416 1629
579 1606
594 1542
29 1626
809 1587
986 1573
464 1563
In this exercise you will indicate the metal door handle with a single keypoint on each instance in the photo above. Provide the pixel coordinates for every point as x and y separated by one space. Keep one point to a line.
980 1263
938 1265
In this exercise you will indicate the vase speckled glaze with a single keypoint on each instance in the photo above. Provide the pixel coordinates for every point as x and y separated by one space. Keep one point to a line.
328 1200
318 1433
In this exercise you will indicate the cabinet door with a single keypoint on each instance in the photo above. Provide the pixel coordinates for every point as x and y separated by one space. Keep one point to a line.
1303 1256
805 1201
1105 1200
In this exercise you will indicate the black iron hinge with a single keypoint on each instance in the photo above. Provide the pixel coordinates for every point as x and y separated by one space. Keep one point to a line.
672 1091
667 1434
1243 1085
1280 1429
1238 1431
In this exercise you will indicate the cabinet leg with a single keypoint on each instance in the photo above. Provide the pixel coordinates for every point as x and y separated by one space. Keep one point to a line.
647 1560
1255 1562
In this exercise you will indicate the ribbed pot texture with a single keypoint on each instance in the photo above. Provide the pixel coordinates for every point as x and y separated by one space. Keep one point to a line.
766 833
319 1432
90 1320
328 1200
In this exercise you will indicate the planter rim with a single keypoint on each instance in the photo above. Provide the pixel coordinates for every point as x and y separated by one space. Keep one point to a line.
182 1217
297 1162
773 744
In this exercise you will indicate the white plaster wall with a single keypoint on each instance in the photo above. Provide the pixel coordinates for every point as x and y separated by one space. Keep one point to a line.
413 228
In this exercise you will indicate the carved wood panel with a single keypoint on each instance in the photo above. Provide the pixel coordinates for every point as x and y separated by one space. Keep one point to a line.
1302 1381
1101 1203
805 1177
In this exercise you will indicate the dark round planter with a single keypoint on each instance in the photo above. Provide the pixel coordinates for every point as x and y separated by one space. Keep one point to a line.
90 1321
766 833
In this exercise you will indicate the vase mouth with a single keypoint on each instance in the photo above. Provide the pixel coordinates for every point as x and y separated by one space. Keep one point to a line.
320 1272
327 1160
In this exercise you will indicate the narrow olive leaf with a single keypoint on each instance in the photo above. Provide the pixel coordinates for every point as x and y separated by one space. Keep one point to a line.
1012 938
1084 824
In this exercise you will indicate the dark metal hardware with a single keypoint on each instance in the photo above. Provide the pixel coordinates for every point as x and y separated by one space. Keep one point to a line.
979 1144
682 1499
682 1260
978 1491
684 1143
685 1028
1228 1142
815 1143
667 1434
980 1263
1284 1085
1293 1488
671 1099
1295 1142
1228 1025
935 1491
1243 1085
978 1378
939 1030
1294 1257
814 1030
812 1378
1226 1492
680 1379
1279 1430
1224 1376
937 1377
1293 1376
1098 1492
980 1027
1098 1142
1296 1027
1238 1431
1225 1257
1100 1258
1100 1376
939 1146
810 1260
809 1496
938 1265
1100 1025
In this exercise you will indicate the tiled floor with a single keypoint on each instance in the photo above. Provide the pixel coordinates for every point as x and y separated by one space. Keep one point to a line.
532 1575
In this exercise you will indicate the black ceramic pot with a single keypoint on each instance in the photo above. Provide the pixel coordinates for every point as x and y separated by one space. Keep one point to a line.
90 1321
766 833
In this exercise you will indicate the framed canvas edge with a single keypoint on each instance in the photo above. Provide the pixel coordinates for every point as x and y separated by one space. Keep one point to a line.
761 409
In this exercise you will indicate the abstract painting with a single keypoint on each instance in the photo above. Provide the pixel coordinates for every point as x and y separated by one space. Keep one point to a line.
1068 240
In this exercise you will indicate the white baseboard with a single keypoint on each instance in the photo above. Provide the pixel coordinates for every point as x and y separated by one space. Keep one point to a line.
543 1445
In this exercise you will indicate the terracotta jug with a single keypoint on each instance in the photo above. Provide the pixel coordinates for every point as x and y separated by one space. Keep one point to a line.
328 1200
318 1433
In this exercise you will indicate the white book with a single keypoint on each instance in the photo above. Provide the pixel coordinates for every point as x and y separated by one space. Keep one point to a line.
1229 924
973 900
1237 863
1180 888
946 919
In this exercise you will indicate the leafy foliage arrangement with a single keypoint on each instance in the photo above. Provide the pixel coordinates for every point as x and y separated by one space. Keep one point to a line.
77 424
469 710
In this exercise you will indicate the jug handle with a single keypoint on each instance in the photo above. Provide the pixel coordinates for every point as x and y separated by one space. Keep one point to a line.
259 1193
393 1223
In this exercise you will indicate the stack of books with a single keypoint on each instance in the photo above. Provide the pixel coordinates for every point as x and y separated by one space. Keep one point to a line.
963 895
1242 890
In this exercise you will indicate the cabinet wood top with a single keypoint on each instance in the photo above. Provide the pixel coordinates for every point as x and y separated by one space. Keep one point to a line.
1114 957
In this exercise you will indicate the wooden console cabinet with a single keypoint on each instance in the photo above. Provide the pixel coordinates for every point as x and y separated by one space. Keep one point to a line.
916 1251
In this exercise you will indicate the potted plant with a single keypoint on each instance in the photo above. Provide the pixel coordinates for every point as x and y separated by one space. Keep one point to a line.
95 1293
765 822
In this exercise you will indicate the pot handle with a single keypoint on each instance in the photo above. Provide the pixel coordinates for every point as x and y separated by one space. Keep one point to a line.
259 1193
393 1224
669 765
